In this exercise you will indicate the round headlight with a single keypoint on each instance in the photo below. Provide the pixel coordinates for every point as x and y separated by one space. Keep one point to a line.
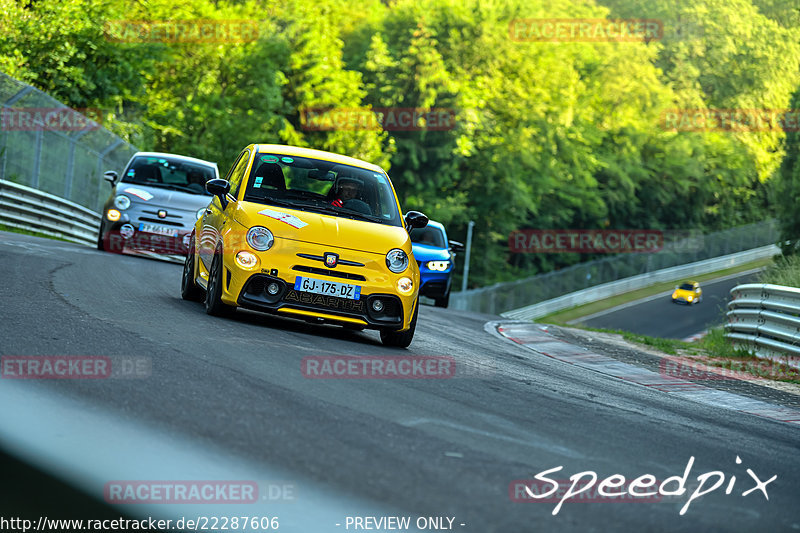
260 238
246 260
113 215
405 285
122 202
201 212
440 266
397 260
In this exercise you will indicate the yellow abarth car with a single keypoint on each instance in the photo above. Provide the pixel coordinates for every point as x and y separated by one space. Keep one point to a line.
688 292
307 234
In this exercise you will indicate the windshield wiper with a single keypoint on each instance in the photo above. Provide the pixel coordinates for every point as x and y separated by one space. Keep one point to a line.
359 214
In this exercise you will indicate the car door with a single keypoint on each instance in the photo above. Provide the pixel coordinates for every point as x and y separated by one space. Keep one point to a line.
214 218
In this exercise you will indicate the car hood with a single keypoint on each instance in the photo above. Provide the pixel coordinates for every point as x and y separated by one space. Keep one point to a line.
426 252
159 197
322 229
680 293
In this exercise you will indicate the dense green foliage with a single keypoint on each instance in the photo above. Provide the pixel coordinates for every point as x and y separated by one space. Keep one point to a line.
546 134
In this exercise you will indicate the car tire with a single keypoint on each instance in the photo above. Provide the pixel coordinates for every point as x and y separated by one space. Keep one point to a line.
100 244
444 301
189 289
401 339
214 305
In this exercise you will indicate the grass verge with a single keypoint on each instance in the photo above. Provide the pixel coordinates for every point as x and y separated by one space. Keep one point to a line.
562 317
12 229
713 357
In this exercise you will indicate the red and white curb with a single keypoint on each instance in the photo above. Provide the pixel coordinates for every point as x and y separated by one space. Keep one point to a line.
536 338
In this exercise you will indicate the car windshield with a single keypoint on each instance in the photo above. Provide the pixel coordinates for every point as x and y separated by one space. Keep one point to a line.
687 287
168 173
429 235
323 187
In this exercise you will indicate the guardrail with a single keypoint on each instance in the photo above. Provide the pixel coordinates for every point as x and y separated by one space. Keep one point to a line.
765 319
34 210
614 288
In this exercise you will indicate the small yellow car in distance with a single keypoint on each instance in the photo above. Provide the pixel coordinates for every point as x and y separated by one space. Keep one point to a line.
688 292
307 234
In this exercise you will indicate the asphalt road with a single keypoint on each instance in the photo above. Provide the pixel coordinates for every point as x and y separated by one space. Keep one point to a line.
660 317
225 399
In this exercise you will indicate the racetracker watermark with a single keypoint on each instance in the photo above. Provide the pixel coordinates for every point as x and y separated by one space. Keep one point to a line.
236 492
566 30
585 241
74 367
378 118
604 241
728 370
741 120
366 367
182 31
50 119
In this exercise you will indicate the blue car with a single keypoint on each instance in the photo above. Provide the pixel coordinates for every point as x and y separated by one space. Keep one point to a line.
435 255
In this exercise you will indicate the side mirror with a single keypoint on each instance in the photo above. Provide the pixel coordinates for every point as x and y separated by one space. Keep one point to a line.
455 246
110 176
415 219
219 187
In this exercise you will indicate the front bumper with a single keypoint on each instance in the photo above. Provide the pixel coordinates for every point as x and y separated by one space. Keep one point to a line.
434 284
254 295
114 241
286 260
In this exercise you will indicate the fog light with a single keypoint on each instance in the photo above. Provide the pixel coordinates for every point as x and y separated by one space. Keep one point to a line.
186 239
246 260
273 288
377 306
405 285
113 215
126 231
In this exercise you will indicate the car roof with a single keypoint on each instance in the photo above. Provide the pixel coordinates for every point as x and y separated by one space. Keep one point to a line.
174 156
316 154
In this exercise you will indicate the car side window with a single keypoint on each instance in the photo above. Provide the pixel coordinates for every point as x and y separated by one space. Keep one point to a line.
237 173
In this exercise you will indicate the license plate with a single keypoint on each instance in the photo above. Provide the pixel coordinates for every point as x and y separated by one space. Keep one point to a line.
158 230
328 288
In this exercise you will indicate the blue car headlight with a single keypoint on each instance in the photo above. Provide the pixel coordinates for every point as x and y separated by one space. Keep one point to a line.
438 266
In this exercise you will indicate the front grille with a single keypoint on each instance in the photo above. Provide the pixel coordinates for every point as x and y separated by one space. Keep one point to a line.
161 221
169 215
326 272
319 301
322 258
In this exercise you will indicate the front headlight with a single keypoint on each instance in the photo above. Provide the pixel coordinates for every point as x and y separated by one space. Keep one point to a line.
397 260
122 202
440 266
200 213
689 298
260 238
246 260
404 285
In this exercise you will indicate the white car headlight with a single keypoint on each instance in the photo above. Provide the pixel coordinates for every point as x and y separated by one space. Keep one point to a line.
397 260
122 202
260 238
200 213
440 266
